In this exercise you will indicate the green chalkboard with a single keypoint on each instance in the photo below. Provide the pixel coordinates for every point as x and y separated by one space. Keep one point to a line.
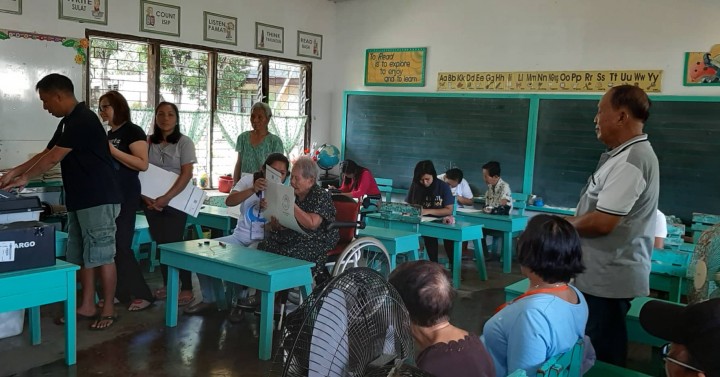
684 133
389 134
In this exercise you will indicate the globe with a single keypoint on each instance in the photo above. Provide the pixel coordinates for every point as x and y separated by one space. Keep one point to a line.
328 157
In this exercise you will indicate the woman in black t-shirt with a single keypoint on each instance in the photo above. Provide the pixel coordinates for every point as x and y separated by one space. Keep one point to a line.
129 148
436 199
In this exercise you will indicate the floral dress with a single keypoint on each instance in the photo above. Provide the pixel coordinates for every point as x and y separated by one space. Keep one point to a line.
254 156
314 245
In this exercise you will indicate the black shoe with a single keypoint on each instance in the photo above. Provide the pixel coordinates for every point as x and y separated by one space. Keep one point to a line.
200 308
236 315
249 303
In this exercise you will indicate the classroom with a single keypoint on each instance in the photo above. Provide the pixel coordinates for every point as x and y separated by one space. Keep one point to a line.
389 83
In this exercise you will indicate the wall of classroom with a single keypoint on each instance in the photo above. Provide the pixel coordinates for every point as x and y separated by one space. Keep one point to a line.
315 16
521 35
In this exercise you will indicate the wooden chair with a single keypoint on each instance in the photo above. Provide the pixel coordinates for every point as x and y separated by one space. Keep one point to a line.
519 201
142 236
385 186
567 364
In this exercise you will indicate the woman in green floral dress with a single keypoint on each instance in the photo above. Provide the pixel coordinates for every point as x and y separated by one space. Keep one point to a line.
254 146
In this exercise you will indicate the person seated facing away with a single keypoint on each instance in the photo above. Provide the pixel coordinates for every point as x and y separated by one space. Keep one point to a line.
693 332
357 181
550 316
435 198
498 193
660 230
314 211
459 186
445 350
248 232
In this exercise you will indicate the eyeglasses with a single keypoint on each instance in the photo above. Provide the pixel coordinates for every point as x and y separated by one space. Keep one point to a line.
666 350
103 107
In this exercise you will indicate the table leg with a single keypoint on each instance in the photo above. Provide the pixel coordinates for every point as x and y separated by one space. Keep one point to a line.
507 252
267 303
171 302
34 317
393 261
480 260
219 291
675 291
457 263
70 320
305 290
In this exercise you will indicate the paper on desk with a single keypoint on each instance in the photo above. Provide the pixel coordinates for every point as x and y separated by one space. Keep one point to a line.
469 210
281 204
156 181
428 218
272 175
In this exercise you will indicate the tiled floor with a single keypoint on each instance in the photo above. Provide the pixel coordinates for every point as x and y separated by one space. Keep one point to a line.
140 345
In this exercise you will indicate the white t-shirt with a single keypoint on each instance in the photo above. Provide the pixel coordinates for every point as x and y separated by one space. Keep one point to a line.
660 225
250 222
462 189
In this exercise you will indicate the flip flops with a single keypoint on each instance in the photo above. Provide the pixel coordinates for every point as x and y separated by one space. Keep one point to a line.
139 305
111 318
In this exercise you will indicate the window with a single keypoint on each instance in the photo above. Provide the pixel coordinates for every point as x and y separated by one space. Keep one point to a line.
214 90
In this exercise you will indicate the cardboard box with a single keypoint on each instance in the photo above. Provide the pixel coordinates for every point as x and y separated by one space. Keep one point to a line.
25 245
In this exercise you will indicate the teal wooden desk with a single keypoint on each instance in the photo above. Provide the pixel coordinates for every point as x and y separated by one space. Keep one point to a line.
266 272
458 233
41 286
668 272
395 241
635 331
509 225
213 217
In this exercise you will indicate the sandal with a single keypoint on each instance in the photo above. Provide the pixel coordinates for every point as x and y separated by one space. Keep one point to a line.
108 318
139 305
249 303
185 297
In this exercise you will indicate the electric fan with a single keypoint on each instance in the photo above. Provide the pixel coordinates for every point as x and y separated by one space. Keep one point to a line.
356 322
400 370
704 268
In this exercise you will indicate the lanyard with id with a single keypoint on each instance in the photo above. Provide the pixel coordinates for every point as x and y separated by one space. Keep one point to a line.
257 222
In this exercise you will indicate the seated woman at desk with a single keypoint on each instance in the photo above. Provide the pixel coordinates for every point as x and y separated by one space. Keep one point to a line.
314 211
436 199
445 350
248 232
550 316
174 152
357 181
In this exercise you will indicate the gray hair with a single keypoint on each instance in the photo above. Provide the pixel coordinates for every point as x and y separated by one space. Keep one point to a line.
308 167
264 106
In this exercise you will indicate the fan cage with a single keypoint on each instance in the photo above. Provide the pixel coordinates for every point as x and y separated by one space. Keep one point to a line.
343 327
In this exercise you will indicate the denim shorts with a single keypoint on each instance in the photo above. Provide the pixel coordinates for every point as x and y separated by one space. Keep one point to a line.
91 235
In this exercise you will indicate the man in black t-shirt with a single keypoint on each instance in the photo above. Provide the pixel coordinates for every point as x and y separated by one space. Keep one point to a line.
91 193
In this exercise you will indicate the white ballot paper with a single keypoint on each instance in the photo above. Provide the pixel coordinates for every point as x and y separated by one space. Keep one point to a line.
272 175
157 181
281 204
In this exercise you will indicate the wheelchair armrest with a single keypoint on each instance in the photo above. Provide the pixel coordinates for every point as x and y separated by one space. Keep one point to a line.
346 224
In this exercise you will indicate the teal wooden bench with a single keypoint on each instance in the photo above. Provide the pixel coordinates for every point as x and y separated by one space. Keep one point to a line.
396 242
141 237
385 186
60 244
668 272
601 369
701 222
566 364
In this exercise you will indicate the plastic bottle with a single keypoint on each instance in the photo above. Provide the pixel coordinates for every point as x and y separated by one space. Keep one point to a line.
204 180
